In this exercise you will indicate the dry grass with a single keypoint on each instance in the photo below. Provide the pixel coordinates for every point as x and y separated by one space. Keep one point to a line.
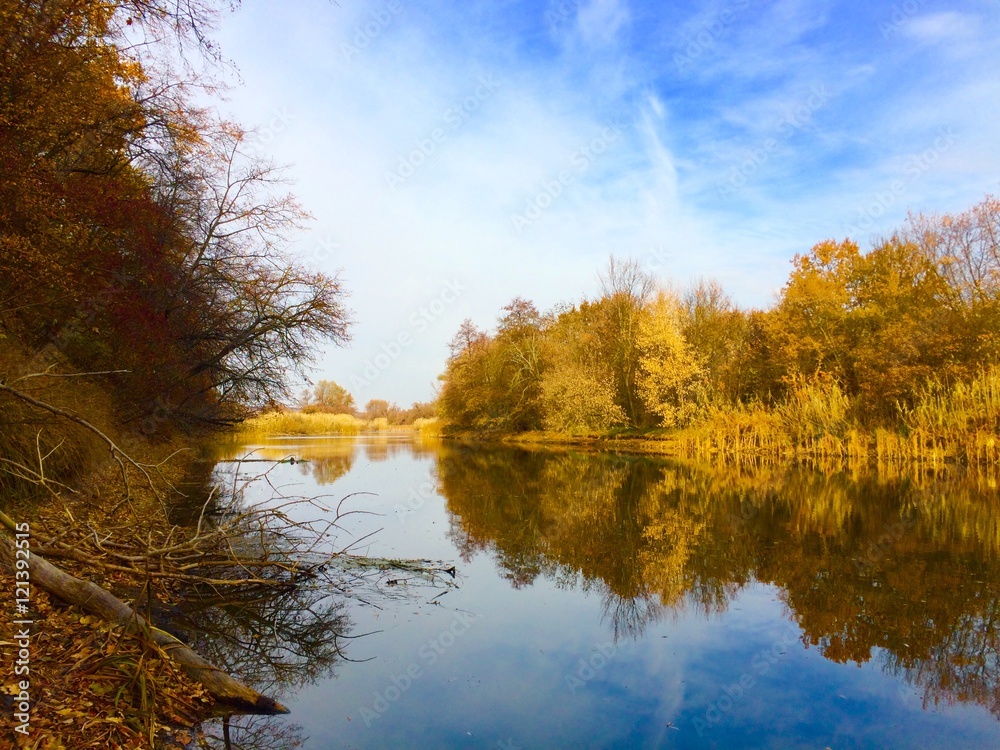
428 427
299 423
949 423
960 421
29 437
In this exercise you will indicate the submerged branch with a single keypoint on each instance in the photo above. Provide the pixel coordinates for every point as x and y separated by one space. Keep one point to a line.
98 601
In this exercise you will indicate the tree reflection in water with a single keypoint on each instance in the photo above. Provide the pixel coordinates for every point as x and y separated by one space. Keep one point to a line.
902 569
252 733
275 639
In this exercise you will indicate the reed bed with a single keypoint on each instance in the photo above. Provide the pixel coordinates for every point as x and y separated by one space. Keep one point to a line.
299 423
948 423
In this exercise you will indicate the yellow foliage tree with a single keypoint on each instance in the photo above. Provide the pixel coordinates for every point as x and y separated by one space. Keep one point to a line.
669 375
575 400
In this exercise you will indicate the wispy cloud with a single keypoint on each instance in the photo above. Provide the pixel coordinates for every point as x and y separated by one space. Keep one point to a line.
694 93
600 22
941 28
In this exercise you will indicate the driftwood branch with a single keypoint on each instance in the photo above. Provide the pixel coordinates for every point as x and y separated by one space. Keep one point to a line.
99 602
121 457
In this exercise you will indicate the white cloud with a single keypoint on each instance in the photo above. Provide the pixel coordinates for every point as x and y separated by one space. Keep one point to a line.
941 28
649 193
600 21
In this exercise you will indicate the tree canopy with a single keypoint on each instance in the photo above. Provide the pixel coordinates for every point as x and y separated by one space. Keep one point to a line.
863 332
139 236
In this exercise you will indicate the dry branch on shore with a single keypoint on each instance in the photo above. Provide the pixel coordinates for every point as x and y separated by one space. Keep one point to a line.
229 549
96 600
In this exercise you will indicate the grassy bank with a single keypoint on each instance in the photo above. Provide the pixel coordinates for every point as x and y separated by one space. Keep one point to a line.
299 423
959 423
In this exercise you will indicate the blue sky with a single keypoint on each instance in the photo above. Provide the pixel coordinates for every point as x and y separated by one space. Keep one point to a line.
458 154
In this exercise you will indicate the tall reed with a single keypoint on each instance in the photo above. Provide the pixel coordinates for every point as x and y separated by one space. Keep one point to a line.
300 423
958 422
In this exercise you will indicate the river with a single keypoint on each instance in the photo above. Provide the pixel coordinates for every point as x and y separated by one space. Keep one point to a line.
615 601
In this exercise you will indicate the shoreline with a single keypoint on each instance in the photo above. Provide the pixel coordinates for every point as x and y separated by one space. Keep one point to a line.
859 450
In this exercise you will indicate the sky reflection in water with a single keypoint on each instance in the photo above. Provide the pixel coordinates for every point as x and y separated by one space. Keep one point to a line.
617 602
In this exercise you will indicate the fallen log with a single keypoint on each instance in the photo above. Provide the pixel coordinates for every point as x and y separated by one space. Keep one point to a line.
290 460
100 602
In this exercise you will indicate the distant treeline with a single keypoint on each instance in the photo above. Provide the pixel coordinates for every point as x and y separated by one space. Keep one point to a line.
891 352
327 397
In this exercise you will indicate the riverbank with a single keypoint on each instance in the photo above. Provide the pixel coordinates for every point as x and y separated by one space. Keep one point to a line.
303 423
947 424
741 437
91 683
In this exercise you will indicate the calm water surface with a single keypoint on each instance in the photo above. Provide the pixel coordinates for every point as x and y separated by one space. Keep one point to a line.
611 601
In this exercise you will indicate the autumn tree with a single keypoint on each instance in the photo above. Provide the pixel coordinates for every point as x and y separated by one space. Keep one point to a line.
966 246
578 392
469 379
494 382
326 396
138 237
419 410
670 375
520 344
757 372
715 328
379 408
966 249
626 288
880 323
261 312
855 339
811 315
901 331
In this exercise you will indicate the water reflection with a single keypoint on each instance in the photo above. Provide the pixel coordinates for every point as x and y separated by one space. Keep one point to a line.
686 574
252 733
277 642
900 569
327 458
274 639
